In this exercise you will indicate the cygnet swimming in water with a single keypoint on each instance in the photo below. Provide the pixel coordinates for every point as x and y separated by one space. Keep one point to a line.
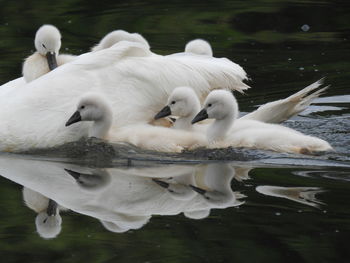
226 130
95 108
119 35
199 47
46 58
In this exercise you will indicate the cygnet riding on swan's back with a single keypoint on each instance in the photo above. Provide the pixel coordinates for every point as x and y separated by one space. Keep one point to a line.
184 104
47 43
226 130
93 107
119 35
199 47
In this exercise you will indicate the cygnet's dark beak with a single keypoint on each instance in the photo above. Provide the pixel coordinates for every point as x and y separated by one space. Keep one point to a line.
202 115
166 111
51 60
51 208
76 117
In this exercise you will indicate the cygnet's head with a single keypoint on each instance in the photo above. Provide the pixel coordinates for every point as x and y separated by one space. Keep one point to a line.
48 43
91 107
182 102
219 105
119 35
199 47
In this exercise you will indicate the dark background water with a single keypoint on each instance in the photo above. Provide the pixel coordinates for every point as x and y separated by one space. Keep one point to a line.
266 38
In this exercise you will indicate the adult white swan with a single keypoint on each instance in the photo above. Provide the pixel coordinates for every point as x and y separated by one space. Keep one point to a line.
136 82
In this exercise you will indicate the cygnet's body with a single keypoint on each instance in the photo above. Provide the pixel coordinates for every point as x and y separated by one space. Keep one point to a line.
93 107
199 47
226 130
119 35
47 43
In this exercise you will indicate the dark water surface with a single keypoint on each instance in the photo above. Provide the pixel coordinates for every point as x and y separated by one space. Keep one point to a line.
259 207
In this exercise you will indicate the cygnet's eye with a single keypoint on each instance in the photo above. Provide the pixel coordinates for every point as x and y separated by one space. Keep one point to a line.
209 105
43 46
82 107
173 102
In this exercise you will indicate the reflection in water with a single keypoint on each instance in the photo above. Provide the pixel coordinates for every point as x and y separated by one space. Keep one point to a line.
303 195
48 220
126 198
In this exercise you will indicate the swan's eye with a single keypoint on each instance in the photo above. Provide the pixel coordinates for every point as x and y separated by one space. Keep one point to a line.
173 102
43 45
209 105
82 107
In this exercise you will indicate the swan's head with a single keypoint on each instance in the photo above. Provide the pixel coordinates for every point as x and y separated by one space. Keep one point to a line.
119 35
219 105
182 102
91 107
199 47
48 43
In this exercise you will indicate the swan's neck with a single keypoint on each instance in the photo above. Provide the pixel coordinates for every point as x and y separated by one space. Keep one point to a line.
218 130
100 128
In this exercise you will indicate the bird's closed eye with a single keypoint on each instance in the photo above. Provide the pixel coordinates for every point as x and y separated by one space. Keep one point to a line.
43 45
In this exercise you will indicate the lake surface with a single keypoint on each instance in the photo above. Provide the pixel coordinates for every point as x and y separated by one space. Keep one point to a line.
251 206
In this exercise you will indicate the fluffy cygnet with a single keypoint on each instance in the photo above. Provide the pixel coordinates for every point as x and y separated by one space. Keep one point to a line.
93 107
47 44
226 130
119 35
182 103
199 47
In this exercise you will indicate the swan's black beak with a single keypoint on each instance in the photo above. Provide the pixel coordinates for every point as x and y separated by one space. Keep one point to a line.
76 117
202 115
166 111
51 60
51 208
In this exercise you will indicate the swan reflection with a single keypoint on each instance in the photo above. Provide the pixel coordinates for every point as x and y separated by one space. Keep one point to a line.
125 198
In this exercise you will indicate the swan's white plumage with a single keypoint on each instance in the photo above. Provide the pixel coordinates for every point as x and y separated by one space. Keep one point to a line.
136 83
228 131
119 35
199 47
281 110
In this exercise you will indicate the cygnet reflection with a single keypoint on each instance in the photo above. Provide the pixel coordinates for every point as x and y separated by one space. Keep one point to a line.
303 195
128 197
48 220
99 179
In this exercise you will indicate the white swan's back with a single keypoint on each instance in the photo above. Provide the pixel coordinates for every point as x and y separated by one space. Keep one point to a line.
136 82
